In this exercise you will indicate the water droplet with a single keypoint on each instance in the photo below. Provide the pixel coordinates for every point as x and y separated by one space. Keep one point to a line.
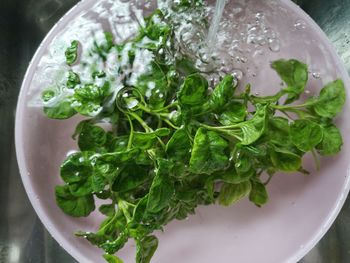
274 44
299 24
307 91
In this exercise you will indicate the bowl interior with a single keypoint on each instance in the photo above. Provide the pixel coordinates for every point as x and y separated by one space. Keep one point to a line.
301 208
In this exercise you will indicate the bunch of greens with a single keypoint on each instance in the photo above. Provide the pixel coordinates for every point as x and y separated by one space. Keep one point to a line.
182 143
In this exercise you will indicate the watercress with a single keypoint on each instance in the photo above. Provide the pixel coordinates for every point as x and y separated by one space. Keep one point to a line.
175 141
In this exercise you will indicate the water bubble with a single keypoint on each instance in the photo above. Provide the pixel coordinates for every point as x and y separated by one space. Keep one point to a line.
259 16
299 24
131 103
238 74
258 52
243 59
269 33
274 44
316 75
261 40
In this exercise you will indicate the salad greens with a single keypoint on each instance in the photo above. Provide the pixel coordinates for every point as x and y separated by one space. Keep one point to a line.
182 143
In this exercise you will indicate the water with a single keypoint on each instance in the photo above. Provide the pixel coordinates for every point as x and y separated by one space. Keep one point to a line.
213 30
238 37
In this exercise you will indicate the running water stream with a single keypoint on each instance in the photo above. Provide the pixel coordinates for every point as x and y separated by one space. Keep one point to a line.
213 30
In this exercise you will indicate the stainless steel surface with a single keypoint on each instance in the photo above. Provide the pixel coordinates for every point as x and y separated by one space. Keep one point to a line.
23 24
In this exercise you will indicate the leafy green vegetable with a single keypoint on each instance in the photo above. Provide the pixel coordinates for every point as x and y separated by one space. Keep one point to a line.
160 139
294 74
72 53
179 145
208 153
258 195
193 91
222 93
145 249
162 189
73 80
231 193
61 110
305 134
331 142
112 259
331 99
285 160
253 129
73 205
235 112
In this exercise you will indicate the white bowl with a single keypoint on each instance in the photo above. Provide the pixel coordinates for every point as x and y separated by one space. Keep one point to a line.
301 208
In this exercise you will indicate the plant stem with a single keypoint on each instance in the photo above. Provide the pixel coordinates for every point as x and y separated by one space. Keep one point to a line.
131 136
143 124
170 124
316 159
293 107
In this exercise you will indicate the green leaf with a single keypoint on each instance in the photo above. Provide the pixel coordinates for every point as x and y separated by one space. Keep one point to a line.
332 141
279 131
208 153
222 93
112 259
155 27
81 188
179 145
305 134
145 249
91 137
131 177
254 128
73 79
145 140
185 66
232 177
234 113
331 100
258 194
231 193
140 209
88 99
162 188
193 91
72 205
109 165
102 49
77 167
285 160
117 244
107 209
295 74
60 110
153 85
72 53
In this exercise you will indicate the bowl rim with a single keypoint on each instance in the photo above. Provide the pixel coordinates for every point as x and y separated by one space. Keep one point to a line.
44 218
